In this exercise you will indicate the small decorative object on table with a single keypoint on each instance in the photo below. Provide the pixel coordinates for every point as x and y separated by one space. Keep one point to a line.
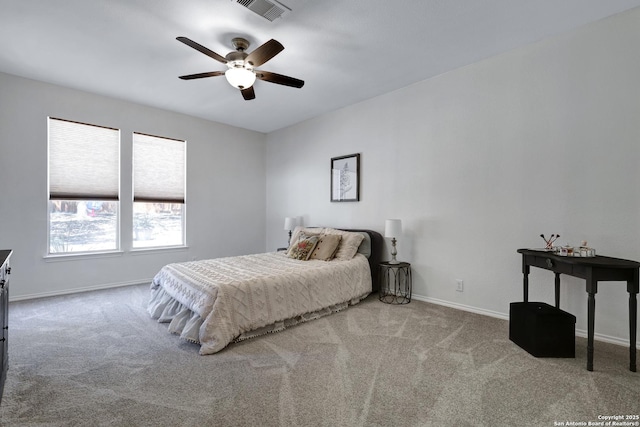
585 250
582 251
567 250
549 242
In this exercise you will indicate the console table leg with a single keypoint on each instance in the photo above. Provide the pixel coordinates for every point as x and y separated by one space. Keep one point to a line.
557 290
633 314
525 280
591 309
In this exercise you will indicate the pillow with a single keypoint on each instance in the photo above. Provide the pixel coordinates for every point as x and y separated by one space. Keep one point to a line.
327 247
303 247
295 236
365 247
348 245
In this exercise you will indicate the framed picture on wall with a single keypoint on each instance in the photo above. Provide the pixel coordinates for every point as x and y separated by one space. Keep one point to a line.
345 178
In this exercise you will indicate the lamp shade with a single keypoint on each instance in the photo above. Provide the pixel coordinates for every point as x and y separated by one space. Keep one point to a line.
240 77
392 228
290 223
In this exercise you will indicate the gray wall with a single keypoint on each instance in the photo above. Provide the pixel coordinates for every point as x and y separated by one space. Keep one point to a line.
476 162
481 160
225 187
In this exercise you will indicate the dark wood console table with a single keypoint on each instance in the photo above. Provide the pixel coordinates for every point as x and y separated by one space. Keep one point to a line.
5 271
593 270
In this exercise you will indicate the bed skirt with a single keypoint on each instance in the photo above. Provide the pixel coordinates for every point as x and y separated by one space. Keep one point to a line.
186 323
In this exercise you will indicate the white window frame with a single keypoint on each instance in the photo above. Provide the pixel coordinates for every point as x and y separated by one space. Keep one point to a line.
117 249
184 195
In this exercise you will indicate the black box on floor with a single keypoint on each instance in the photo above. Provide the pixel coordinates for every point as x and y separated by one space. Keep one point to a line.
542 330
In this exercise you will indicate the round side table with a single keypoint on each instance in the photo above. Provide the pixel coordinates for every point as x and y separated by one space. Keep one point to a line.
395 283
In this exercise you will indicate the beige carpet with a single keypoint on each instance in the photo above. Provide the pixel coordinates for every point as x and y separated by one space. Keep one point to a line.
97 359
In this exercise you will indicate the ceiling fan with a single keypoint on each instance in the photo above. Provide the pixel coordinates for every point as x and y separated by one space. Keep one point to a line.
241 72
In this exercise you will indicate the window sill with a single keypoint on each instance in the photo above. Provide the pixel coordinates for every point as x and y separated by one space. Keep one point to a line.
107 254
155 250
81 255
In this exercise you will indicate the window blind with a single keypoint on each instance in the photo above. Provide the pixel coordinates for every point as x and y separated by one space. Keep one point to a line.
158 169
84 161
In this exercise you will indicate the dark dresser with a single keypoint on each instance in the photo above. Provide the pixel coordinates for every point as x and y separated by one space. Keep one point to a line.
5 271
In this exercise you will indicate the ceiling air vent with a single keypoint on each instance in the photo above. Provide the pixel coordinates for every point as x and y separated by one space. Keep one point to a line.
268 9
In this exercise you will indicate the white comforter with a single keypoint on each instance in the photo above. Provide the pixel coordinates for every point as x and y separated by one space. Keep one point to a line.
230 296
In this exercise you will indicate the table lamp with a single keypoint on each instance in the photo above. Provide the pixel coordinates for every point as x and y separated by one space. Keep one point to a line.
289 224
393 229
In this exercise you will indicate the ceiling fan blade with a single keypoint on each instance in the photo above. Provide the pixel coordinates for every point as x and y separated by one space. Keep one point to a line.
264 53
202 49
201 75
279 79
248 94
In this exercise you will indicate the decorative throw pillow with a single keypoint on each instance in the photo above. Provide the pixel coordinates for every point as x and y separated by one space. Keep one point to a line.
348 245
327 247
307 231
303 248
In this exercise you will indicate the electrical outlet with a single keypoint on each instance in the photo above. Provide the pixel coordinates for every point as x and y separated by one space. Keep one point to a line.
460 285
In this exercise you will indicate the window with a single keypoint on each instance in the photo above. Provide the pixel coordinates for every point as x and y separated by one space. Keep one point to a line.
84 187
158 191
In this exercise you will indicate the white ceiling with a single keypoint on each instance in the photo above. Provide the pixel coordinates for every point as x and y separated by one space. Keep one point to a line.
346 51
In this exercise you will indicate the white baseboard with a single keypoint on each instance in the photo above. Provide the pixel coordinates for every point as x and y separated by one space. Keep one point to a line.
505 316
462 307
77 290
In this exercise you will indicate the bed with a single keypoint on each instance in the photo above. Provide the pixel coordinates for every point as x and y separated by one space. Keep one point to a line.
220 301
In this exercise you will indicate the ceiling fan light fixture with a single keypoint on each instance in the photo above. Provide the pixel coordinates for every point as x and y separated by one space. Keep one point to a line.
240 72
240 77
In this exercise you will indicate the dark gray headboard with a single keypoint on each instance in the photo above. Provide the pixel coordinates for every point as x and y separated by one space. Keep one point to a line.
377 254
